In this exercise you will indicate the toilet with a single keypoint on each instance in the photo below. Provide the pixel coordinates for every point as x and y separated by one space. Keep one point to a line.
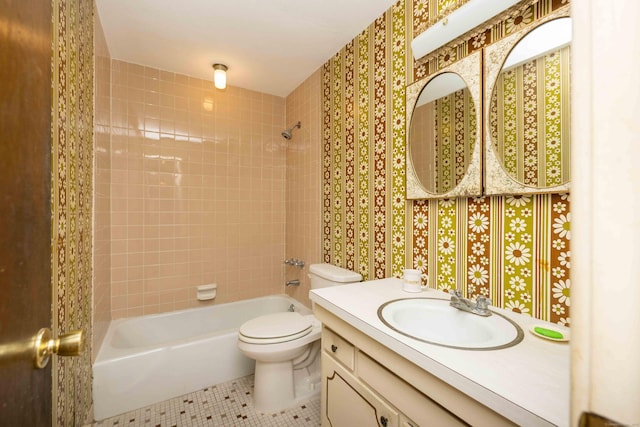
286 348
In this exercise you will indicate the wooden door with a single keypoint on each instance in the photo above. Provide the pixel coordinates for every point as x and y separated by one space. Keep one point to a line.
25 208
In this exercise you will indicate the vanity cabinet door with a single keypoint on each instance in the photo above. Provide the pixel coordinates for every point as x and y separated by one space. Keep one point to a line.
408 400
346 402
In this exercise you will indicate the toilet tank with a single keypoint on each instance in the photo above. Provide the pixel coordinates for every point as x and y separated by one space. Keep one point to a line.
324 275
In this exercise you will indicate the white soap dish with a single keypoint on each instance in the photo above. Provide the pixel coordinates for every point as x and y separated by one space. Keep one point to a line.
207 292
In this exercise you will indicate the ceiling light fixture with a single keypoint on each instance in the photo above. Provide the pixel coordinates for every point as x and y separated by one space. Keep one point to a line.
459 22
220 76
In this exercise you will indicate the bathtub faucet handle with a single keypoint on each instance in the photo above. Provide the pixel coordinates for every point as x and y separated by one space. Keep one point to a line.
294 262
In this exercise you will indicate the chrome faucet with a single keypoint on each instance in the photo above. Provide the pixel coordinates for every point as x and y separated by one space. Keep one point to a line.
295 282
295 262
480 307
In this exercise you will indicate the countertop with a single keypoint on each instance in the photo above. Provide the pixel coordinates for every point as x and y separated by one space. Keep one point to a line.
527 383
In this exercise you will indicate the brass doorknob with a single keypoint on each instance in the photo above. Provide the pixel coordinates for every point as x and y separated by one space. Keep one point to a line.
69 344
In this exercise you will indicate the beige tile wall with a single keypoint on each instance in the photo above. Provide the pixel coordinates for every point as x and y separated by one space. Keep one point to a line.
303 180
102 192
197 191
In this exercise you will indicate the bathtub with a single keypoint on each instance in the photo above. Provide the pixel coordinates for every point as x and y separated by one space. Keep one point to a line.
148 359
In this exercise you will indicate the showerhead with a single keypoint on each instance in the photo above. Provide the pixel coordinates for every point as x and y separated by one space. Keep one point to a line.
287 134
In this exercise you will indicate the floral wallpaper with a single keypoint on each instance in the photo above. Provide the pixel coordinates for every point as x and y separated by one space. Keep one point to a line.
374 63
72 173
514 249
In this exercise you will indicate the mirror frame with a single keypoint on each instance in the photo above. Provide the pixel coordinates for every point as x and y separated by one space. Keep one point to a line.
497 180
470 69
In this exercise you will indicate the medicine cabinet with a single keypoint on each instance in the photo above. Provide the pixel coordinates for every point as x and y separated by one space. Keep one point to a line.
528 110
444 136
517 92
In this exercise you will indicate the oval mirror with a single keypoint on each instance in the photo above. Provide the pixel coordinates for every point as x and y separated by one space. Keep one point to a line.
442 133
529 111
443 137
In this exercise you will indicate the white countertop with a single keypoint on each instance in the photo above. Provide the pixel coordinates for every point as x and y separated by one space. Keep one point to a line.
527 383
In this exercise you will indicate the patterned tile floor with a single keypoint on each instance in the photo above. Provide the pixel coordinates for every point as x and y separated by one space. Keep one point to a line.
227 404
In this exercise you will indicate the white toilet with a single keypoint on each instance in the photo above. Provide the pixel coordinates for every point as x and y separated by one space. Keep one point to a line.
286 348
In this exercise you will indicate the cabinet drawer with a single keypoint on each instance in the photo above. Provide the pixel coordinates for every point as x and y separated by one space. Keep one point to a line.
342 350
407 399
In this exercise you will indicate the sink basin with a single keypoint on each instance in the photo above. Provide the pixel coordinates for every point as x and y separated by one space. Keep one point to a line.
434 321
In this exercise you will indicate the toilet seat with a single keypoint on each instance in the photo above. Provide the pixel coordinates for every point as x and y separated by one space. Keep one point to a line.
275 328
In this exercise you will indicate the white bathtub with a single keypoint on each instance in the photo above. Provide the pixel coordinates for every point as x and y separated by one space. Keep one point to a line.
148 359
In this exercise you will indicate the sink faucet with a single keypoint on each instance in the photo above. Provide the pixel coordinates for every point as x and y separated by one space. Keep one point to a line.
480 307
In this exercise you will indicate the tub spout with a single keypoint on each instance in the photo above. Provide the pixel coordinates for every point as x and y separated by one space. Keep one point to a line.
293 282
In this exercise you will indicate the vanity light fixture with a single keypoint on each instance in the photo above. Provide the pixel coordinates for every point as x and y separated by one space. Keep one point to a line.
220 76
464 19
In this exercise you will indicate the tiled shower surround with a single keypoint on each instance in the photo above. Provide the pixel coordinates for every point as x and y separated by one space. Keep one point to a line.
303 181
197 191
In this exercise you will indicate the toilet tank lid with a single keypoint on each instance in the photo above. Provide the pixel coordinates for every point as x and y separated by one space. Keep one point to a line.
334 273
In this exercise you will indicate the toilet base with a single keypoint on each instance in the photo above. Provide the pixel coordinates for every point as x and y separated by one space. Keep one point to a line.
278 386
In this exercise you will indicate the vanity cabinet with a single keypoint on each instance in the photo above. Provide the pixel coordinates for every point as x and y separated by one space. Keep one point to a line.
365 383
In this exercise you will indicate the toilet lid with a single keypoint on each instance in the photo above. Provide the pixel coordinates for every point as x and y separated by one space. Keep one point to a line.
275 328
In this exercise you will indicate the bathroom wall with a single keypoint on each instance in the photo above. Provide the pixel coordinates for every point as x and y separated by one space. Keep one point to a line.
197 191
102 189
515 249
303 180
72 203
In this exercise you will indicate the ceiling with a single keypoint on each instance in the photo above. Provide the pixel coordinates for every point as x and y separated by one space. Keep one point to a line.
270 46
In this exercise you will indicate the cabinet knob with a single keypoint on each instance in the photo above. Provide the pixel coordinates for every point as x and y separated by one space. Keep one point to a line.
383 421
334 348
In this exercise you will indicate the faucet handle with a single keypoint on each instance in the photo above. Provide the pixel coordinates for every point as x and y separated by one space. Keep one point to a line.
455 293
483 302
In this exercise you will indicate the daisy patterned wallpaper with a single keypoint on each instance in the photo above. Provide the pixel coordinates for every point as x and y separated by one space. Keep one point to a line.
514 249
